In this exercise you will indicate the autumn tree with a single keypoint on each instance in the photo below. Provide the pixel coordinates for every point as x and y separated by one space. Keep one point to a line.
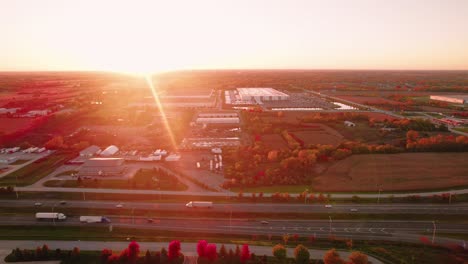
245 253
357 257
173 250
273 155
55 143
332 257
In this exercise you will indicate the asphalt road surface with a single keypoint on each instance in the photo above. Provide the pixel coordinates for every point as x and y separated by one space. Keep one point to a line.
453 209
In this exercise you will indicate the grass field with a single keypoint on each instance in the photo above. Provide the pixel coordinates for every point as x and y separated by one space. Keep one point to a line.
143 180
19 162
396 172
36 170
274 188
320 135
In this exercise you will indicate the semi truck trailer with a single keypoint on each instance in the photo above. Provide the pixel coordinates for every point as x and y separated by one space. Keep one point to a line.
94 219
51 216
197 204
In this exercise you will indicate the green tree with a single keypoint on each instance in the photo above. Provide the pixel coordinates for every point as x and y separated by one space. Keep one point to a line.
301 254
279 251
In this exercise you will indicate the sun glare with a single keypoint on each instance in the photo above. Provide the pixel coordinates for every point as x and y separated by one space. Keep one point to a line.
152 86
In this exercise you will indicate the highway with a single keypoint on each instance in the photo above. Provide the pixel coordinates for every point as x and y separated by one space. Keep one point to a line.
444 209
409 231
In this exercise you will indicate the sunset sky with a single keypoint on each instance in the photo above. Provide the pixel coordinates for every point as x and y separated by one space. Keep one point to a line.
147 36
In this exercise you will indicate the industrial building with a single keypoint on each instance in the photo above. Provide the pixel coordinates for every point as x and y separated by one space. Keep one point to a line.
217 120
90 151
261 94
455 99
102 167
110 151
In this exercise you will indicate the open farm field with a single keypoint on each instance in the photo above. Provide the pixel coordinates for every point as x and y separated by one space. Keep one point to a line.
395 172
319 134
369 100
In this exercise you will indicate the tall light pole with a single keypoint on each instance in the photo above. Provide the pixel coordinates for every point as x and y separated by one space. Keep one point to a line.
53 207
305 195
433 231
330 224
378 197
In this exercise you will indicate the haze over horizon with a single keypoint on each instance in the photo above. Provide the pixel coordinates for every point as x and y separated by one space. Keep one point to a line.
150 36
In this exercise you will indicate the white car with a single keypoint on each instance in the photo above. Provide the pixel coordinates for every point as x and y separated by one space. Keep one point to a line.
353 209
119 205
37 204
328 206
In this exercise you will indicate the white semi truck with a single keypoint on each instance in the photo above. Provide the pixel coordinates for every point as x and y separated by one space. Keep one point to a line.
198 204
94 219
51 216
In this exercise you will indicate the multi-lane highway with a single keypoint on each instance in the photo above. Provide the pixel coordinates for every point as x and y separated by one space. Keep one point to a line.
454 209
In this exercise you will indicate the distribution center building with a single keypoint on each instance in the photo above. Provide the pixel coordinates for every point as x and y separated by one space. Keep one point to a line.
456 99
261 94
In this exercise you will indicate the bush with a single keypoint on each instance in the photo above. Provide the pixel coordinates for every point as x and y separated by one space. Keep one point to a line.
279 251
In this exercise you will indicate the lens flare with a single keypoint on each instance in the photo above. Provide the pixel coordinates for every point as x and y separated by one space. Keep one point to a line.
152 87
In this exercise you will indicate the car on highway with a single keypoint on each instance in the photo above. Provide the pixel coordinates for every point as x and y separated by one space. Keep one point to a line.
150 220
353 209
38 204
119 205
328 206
264 222
63 202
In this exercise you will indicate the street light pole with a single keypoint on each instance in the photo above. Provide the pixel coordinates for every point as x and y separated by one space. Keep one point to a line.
330 224
378 197
53 218
433 231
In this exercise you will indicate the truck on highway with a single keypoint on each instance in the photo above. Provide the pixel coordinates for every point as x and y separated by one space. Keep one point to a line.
199 204
94 219
51 216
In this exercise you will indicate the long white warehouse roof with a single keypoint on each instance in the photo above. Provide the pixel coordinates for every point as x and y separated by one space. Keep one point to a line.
260 92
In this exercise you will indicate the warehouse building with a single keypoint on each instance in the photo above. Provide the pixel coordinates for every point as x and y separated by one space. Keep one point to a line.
90 151
261 94
97 167
217 120
110 151
455 99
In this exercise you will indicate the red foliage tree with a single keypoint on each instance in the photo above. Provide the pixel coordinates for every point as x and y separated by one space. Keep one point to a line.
245 253
201 246
133 251
174 249
210 252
